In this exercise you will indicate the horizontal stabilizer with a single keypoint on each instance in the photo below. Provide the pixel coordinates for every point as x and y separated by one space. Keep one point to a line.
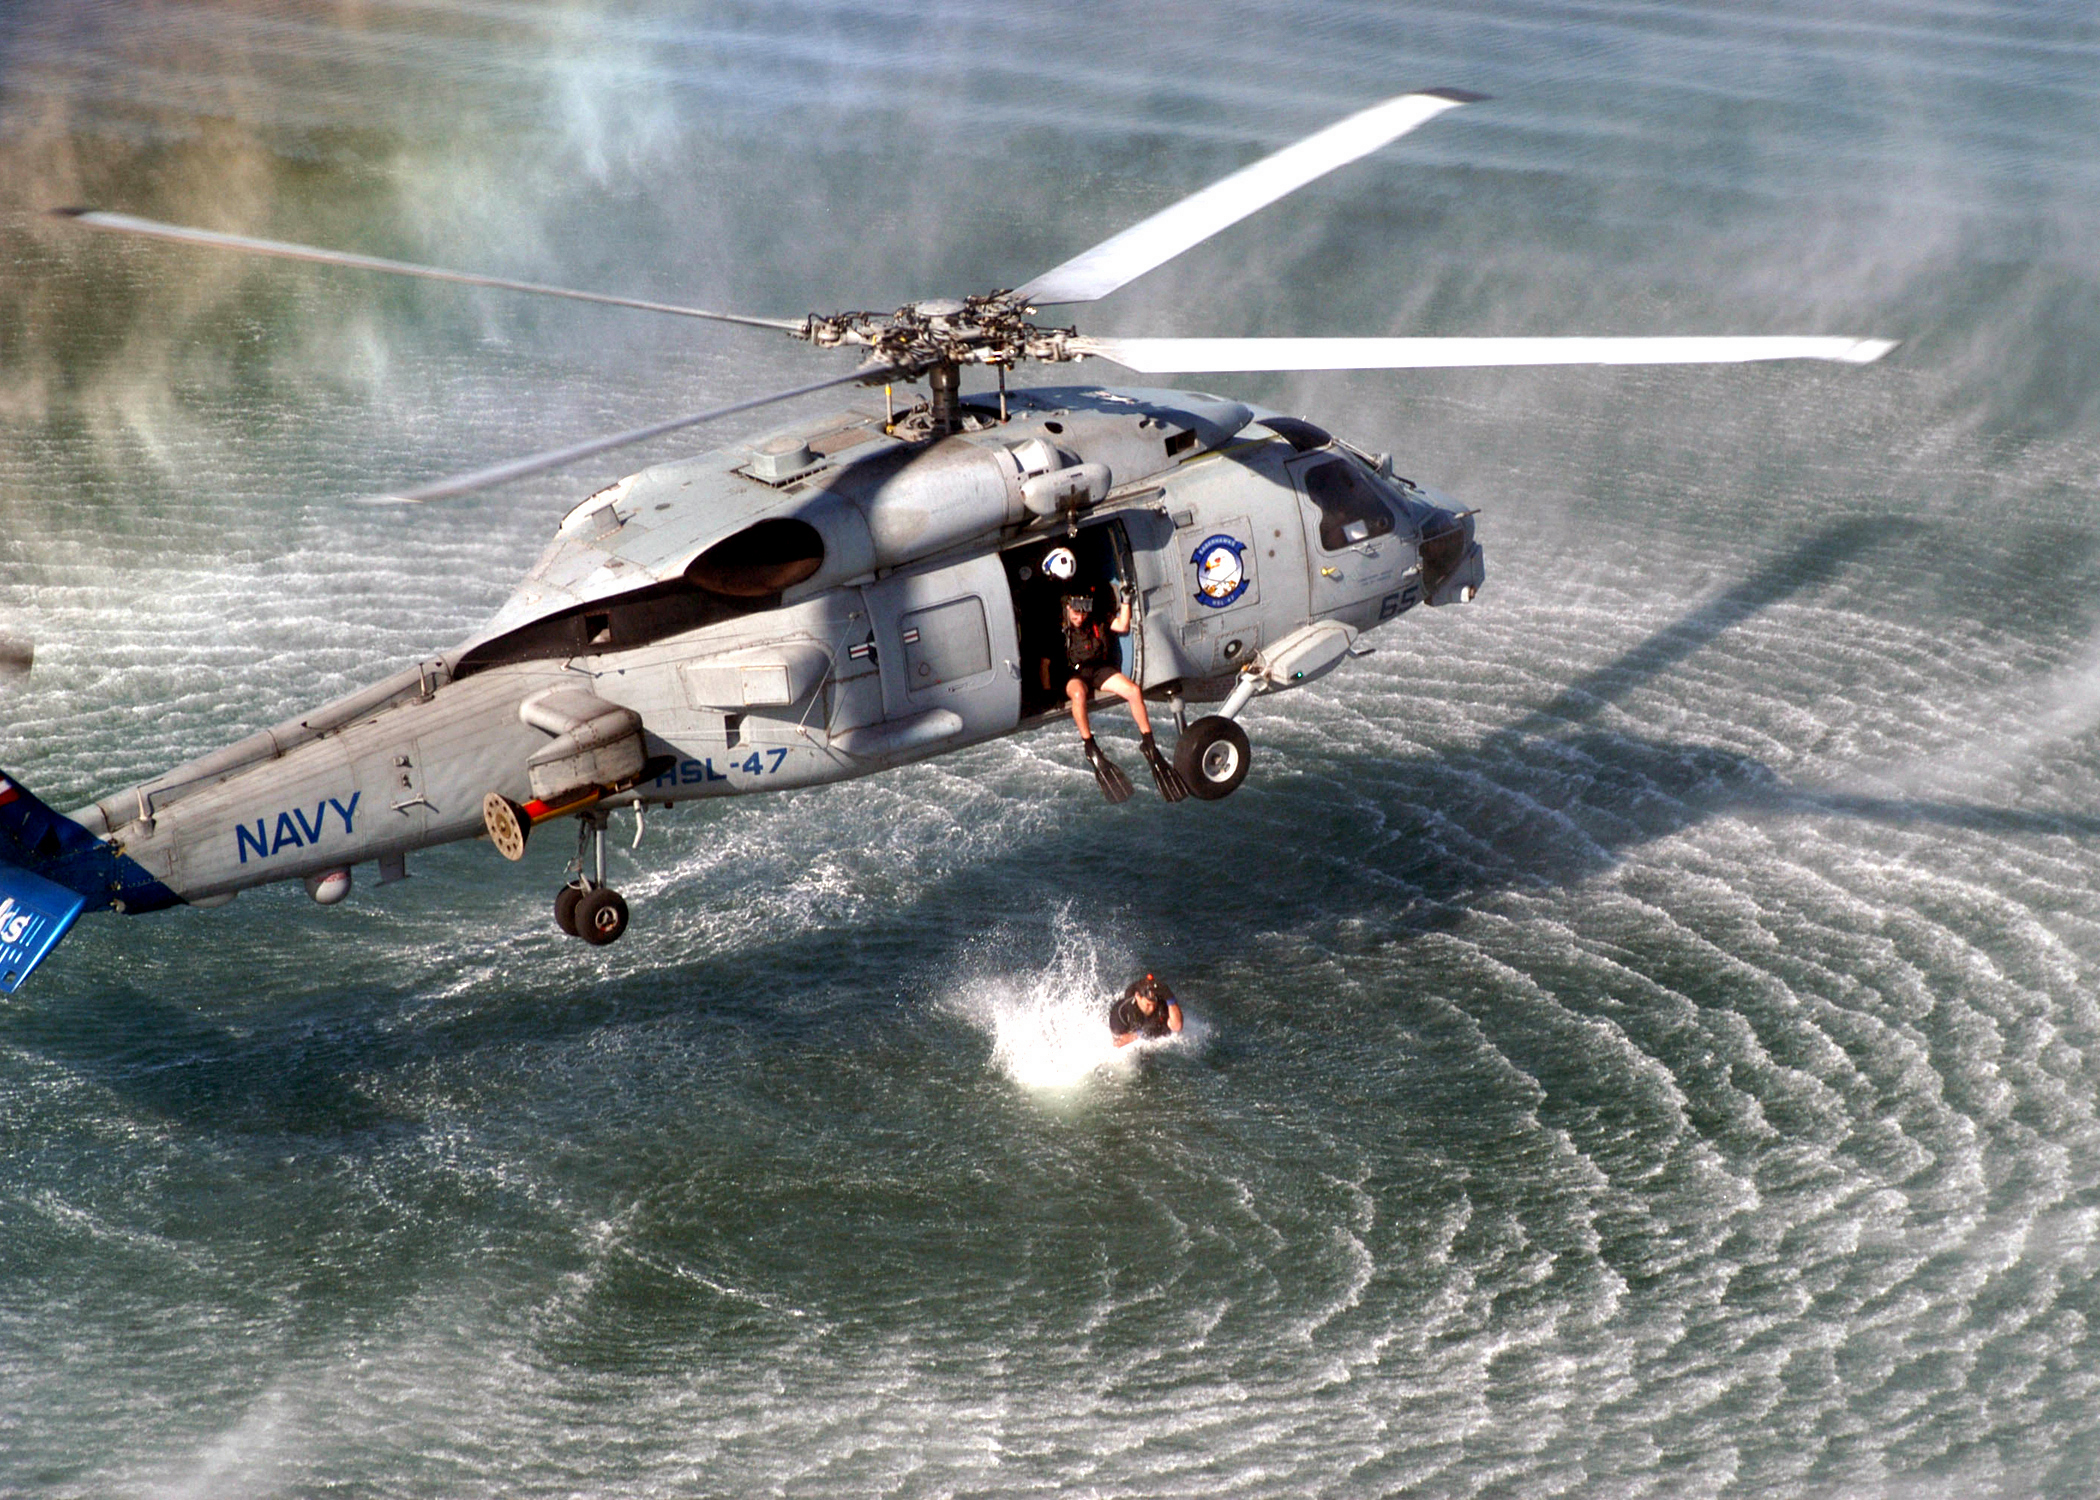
34 915
51 870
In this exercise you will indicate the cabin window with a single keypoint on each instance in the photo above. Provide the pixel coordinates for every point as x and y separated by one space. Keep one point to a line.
1352 509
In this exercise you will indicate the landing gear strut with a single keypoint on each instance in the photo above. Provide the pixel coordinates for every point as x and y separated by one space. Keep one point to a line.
587 907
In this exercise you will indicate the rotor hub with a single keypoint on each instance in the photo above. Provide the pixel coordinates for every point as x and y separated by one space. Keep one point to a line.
921 336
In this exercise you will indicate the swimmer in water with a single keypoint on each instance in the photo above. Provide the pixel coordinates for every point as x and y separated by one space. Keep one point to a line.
1148 1009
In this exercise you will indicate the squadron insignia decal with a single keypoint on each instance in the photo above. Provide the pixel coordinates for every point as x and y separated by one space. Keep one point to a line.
1220 575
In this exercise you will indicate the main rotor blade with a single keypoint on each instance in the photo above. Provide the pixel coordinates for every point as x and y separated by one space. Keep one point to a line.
555 458
1125 257
125 224
1191 356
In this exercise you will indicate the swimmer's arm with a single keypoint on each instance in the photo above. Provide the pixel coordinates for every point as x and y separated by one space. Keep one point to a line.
1121 623
1173 1016
1125 1038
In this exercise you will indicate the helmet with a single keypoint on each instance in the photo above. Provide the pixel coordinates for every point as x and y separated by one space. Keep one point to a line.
1059 563
1084 603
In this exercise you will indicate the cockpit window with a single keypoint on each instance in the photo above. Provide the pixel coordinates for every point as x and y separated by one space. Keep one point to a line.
1352 509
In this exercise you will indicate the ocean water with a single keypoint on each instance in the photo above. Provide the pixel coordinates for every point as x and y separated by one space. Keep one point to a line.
1643 1024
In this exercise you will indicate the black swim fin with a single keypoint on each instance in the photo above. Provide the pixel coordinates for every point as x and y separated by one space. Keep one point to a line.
1164 776
1115 786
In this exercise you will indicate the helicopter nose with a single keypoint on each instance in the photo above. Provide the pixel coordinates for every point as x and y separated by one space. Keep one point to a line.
1453 566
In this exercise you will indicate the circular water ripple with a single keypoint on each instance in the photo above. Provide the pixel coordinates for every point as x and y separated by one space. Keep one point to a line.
1641 1027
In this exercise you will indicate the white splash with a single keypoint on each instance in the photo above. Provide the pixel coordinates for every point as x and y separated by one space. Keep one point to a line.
1049 1025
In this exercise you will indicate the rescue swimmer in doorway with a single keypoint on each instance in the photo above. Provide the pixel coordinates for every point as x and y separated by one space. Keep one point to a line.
1095 661
1148 1009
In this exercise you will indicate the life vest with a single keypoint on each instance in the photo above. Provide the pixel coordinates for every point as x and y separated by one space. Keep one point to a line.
1089 644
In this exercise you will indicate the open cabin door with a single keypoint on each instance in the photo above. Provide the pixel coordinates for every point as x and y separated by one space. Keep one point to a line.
1096 562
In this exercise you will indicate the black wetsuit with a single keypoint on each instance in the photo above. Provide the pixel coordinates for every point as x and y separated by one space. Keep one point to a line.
1124 1017
1093 652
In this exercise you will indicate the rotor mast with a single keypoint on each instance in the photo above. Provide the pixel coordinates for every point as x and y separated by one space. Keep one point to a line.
944 384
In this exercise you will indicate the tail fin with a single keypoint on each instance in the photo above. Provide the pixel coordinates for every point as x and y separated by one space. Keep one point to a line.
35 912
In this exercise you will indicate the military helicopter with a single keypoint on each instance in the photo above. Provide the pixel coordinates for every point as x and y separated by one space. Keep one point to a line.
844 595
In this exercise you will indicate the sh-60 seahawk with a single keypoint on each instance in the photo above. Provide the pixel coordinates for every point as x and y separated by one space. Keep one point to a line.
843 596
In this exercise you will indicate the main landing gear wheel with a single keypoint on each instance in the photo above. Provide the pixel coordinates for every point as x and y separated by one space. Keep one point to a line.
565 901
1212 756
600 916
587 907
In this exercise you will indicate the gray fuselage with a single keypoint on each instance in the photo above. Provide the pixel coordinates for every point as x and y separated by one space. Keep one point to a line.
838 598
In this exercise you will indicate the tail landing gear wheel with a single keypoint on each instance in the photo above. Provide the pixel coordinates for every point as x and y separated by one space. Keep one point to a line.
565 901
600 916
1212 756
